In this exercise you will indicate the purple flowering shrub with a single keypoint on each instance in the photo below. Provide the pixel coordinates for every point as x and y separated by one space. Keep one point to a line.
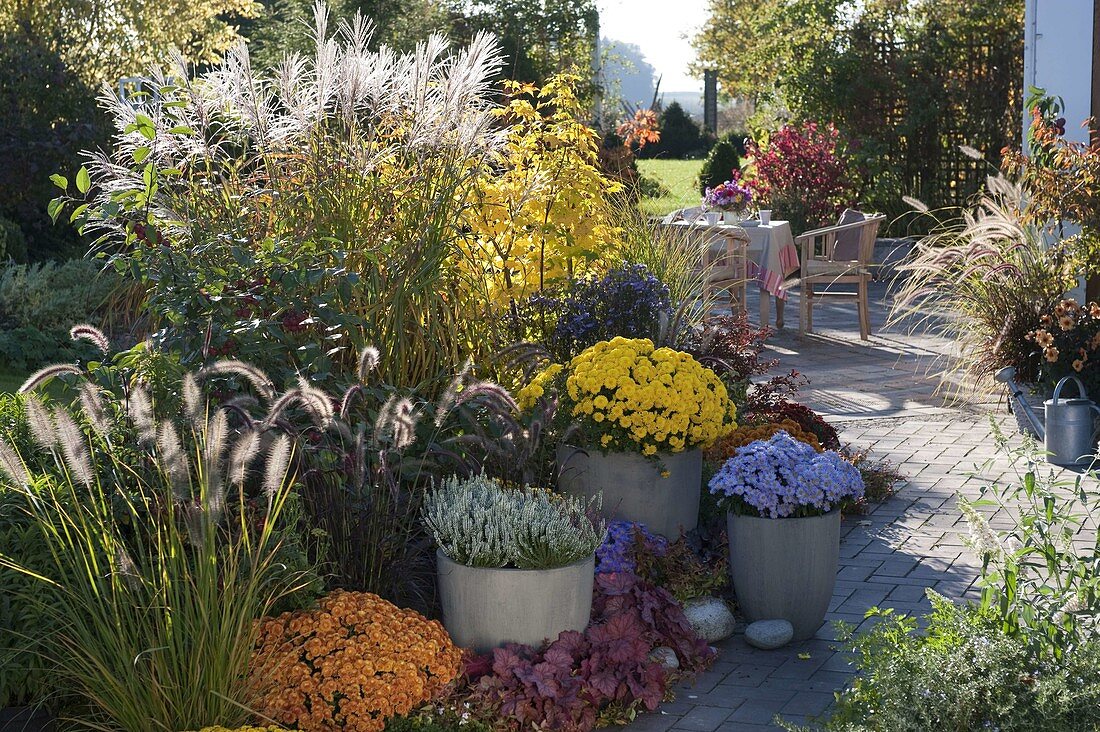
782 477
619 551
571 682
675 566
628 301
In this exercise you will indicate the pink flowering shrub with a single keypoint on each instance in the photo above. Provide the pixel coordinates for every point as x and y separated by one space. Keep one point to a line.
801 173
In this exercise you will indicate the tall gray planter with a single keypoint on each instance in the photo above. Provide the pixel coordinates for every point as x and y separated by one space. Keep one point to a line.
486 607
633 488
785 568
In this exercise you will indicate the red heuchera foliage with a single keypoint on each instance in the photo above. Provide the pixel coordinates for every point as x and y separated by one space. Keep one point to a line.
801 174
565 684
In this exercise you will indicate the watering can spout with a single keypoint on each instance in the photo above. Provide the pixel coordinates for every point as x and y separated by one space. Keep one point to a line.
1007 376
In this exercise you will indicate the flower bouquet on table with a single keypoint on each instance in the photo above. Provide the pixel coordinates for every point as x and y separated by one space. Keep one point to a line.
641 416
733 198
783 500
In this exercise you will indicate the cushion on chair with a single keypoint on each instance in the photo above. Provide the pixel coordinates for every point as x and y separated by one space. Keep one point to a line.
833 269
847 242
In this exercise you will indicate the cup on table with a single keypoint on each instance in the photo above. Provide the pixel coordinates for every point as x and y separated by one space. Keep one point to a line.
765 217
713 217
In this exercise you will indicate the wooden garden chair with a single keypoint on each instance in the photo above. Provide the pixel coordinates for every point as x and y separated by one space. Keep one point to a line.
723 255
838 255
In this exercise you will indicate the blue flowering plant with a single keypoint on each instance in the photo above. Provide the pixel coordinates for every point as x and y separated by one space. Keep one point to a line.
628 301
784 478
619 551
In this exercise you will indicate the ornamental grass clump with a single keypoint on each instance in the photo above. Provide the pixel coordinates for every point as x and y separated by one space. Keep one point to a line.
627 395
349 664
480 523
783 477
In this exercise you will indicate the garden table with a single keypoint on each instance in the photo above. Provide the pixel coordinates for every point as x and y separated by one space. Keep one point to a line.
771 253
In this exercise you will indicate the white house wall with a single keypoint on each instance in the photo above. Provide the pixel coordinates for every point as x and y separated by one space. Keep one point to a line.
1058 57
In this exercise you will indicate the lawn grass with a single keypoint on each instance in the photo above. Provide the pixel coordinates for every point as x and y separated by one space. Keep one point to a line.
678 177
10 379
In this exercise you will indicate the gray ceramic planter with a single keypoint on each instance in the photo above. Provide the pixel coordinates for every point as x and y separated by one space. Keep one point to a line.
785 568
633 488
486 607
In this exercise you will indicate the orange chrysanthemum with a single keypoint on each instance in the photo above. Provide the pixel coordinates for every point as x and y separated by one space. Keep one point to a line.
725 447
350 664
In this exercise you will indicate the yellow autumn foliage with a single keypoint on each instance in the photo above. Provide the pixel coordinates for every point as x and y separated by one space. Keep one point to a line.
540 212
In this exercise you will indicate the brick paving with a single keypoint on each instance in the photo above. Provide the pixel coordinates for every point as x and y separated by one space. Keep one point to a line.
881 395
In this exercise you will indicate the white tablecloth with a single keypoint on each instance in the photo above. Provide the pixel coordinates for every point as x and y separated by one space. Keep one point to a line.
772 254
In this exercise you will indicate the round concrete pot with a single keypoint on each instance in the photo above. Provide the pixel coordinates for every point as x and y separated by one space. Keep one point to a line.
785 568
486 607
633 488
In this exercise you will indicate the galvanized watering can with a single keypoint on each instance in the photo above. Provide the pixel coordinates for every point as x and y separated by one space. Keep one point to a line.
1068 435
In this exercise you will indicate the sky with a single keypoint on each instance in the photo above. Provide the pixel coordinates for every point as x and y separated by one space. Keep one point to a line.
662 28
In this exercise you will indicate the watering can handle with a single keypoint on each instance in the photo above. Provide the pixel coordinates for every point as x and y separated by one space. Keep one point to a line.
1075 380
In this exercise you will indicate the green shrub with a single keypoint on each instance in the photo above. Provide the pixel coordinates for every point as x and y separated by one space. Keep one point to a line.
681 136
12 243
480 523
39 303
26 674
963 673
719 165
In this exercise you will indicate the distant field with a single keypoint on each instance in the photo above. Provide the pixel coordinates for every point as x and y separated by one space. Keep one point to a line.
678 177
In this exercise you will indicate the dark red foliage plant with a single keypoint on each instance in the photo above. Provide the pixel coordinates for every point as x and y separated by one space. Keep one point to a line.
573 681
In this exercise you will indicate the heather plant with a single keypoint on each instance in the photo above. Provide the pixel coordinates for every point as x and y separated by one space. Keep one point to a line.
801 172
782 477
309 211
984 281
480 523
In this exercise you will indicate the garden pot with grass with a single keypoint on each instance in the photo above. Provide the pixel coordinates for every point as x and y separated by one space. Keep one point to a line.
660 492
639 417
514 566
783 501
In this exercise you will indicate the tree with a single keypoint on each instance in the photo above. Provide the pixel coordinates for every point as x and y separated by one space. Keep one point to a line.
627 75
285 26
681 136
103 41
541 37
907 81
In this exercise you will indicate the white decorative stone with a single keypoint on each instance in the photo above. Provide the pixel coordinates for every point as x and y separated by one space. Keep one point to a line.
769 634
711 618
666 657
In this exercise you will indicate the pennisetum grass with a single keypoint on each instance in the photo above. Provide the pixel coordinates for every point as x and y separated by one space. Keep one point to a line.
982 279
157 565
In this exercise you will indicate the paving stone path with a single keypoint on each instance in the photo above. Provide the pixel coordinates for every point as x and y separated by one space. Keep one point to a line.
881 395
